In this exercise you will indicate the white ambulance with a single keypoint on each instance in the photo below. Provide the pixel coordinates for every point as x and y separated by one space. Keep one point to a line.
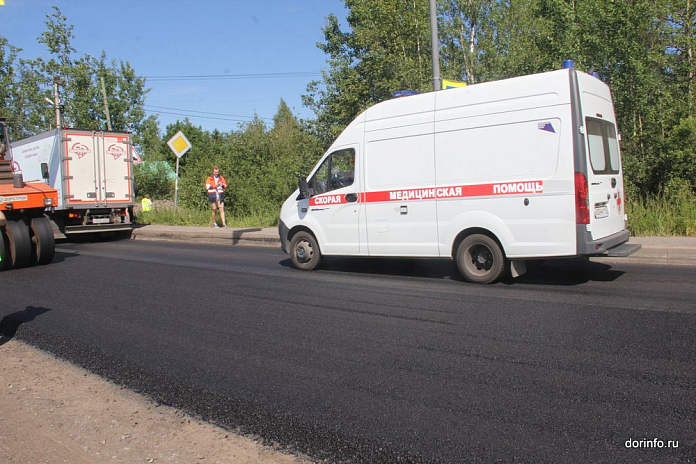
490 175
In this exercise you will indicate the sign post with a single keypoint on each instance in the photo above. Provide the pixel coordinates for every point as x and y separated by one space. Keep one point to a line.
179 144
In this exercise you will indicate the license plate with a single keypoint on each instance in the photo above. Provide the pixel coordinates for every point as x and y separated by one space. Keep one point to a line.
100 220
601 212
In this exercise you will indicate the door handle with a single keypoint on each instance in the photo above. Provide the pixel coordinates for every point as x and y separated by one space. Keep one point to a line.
351 197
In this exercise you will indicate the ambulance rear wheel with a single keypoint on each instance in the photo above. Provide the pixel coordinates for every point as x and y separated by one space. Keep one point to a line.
480 259
304 251
43 243
19 243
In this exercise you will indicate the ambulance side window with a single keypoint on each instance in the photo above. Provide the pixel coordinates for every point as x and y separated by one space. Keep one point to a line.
603 146
336 171
342 169
319 183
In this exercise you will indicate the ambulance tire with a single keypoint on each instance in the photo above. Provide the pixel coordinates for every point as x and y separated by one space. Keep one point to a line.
480 259
304 251
42 241
19 243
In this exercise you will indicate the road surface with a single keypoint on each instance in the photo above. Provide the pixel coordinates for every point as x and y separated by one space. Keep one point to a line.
381 360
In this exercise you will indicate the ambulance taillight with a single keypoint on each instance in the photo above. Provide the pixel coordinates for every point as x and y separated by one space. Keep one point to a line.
582 199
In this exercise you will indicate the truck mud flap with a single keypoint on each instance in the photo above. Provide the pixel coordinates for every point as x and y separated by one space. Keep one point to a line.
623 250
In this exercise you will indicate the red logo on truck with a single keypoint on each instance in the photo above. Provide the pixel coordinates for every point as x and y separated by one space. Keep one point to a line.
116 151
80 150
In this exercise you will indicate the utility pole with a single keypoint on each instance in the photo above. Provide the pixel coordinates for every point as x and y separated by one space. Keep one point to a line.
56 102
106 104
437 81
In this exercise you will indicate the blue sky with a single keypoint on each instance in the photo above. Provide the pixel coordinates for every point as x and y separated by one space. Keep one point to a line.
246 40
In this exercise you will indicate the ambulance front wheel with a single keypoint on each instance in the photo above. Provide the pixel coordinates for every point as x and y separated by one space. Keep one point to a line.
304 251
480 259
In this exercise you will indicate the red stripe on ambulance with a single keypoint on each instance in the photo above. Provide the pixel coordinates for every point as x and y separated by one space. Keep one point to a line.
460 191
327 200
437 193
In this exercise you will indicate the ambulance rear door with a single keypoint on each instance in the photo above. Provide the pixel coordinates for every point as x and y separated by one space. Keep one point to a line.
604 170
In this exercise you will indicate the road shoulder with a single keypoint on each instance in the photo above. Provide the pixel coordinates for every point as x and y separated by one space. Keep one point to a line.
53 411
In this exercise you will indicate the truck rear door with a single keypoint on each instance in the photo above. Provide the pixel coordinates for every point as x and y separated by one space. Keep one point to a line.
97 168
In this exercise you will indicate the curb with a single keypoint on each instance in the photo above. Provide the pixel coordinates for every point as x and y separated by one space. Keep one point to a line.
250 236
680 251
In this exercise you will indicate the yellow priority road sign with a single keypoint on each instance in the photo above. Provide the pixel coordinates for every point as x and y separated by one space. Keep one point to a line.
446 84
179 144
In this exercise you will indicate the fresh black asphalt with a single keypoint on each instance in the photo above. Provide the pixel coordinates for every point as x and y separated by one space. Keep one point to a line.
376 360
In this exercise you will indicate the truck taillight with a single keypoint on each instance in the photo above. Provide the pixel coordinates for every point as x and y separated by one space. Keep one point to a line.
582 199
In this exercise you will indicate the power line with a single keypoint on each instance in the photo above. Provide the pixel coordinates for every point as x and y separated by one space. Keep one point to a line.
195 116
157 108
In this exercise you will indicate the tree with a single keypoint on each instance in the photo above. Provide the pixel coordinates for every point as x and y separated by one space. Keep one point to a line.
386 49
80 85
8 58
644 49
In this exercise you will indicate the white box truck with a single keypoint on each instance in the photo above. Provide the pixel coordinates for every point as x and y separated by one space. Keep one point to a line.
92 172
489 175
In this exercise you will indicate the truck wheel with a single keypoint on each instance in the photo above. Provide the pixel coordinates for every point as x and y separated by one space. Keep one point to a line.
304 251
19 243
43 243
480 259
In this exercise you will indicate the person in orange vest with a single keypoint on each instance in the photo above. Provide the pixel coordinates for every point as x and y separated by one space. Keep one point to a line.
216 185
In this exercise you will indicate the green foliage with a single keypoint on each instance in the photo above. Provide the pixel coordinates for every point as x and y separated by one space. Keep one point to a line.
26 83
166 214
387 49
668 214
643 49
261 165
155 178
148 140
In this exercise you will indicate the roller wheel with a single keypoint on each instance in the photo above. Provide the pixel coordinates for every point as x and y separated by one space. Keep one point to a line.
19 243
304 251
5 262
43 244
480 259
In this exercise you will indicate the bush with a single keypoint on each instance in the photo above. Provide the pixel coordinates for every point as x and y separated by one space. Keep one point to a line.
154 178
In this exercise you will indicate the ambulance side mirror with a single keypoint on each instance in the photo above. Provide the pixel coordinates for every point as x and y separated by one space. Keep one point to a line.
44 171
304 188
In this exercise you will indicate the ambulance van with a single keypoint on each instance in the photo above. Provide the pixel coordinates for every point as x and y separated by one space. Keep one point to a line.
489 175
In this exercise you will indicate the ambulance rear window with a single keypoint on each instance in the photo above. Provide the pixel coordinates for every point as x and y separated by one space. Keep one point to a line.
603 146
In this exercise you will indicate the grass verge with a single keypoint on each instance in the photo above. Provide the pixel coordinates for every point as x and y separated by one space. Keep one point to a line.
164 213
662 216
651 216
